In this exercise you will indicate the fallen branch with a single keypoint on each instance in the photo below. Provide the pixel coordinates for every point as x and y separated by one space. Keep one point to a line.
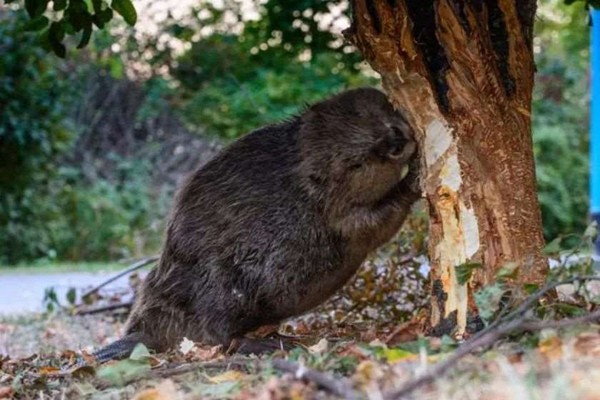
133 267
109 307
341 387
185 368
493 333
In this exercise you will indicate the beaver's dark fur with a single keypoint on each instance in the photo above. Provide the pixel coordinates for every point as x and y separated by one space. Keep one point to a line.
277 222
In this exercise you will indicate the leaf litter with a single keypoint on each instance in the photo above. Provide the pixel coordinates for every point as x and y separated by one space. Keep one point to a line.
345 340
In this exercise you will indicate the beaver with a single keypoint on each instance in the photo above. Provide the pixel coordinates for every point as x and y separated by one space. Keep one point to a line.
276 223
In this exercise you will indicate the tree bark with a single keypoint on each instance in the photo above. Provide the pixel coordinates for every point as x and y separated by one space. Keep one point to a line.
462 72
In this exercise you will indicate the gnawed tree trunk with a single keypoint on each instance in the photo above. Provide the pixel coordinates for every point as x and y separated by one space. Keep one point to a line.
463 72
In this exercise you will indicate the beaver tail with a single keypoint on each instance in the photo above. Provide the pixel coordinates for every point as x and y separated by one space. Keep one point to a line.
119 349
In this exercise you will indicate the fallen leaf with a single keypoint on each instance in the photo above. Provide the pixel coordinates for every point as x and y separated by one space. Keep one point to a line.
49 370
186 346
123 371
205 353
140 353
219 390
231 375
551 348
587 344
6 392
320 347
265 331
396 354
84 371
166 390
405 333
366 372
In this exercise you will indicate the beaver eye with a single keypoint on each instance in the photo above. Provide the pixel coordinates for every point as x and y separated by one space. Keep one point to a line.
397 131
395 151
355 166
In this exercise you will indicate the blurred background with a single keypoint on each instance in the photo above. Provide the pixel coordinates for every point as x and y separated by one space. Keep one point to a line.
93 146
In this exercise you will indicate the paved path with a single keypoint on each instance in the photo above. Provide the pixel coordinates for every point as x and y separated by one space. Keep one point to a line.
21 293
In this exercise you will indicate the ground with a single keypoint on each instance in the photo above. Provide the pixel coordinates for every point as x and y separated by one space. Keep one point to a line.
555 364
357 344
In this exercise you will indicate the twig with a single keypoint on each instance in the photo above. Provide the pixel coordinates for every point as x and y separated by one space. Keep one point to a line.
185 368
514 321
109 307
531 301
133 267
534 326
340 387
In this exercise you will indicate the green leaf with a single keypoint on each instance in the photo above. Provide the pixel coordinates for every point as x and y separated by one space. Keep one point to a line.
530 288
59 5
35 8
36 24
591 232
56 34
57 30
447 344
126 9
79 18
465 271
553 247
122 372
219 390
101 18
488 300
570 310
71 296
396 354
140 353
97 4
85 37
508 271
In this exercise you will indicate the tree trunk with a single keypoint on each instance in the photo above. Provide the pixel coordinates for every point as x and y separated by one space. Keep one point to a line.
462 71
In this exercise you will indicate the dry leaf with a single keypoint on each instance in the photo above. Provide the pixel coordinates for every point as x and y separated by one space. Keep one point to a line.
367 371
6 392
265 331
320 347
166 390
49 370
587 344
205 353
231 375
186 346
551 348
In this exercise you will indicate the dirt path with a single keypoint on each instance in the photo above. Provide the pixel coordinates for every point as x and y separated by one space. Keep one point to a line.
23 293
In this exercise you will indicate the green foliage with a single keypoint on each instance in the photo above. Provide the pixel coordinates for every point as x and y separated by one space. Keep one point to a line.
30 85
228 107
47 209
232 83
72 18
232 74
82 221
560 118
587 3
